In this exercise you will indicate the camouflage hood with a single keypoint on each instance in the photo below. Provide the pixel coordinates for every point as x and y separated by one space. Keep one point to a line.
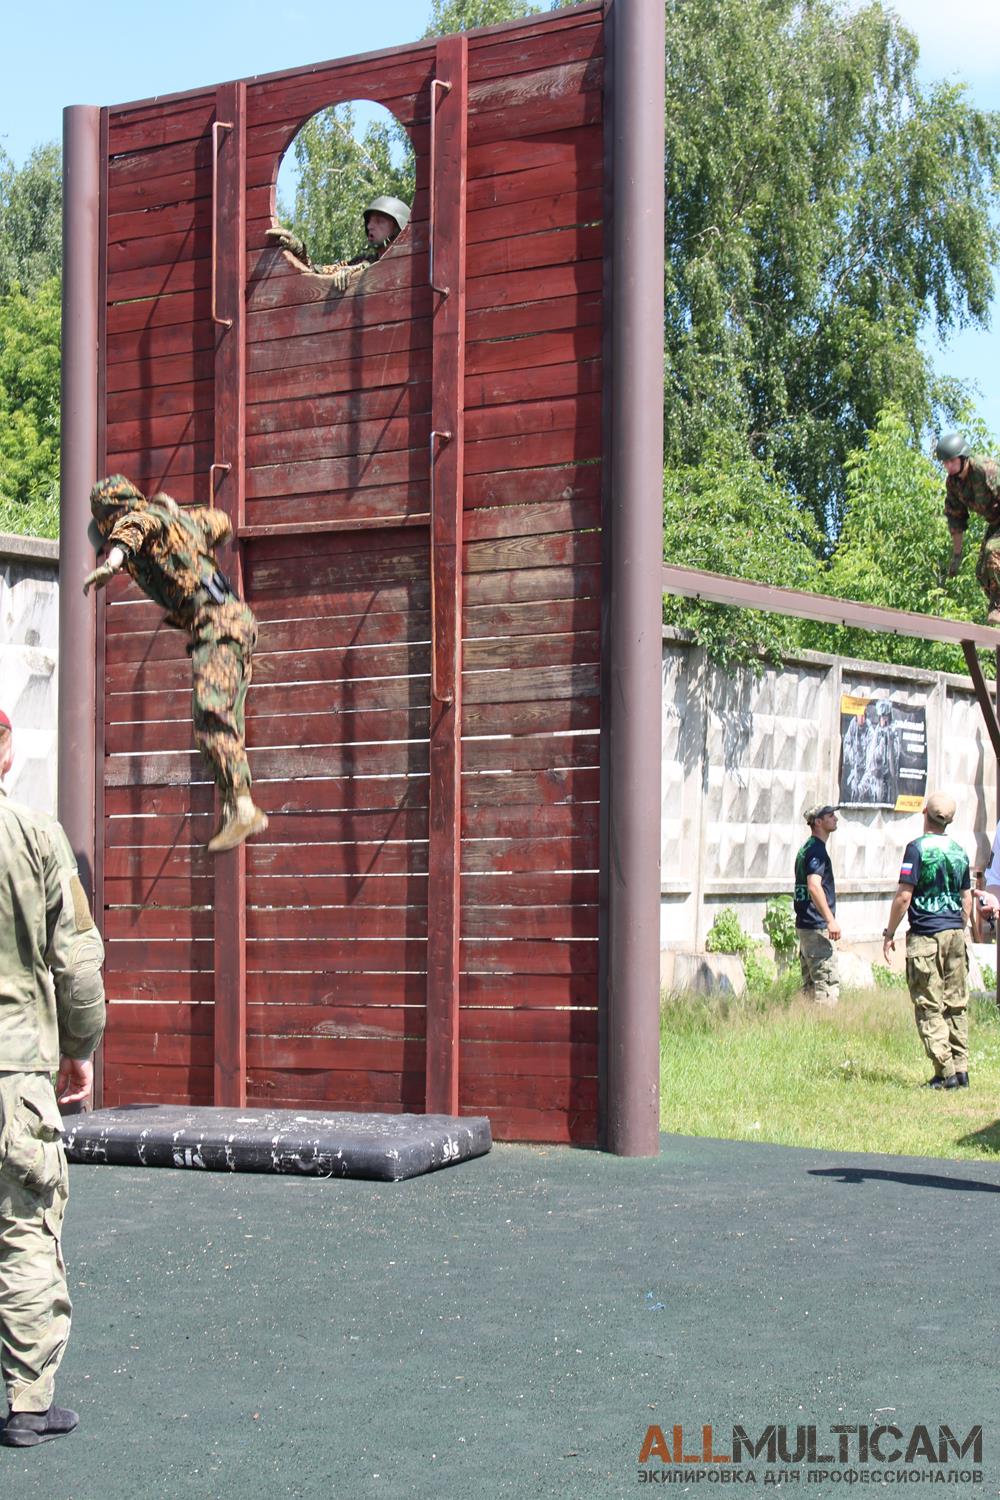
110 497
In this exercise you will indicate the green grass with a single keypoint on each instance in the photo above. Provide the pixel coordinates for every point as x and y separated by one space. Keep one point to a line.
778 1068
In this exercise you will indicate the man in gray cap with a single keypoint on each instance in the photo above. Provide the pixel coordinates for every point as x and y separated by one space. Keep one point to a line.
51 1019
816 908
973 485
385 219
935 890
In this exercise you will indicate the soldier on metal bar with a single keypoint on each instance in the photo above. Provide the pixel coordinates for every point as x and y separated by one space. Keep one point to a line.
973 484
169 551
385 219
51 1020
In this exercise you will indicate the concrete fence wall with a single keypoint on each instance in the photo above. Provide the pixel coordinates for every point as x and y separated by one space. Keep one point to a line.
29 656
742 759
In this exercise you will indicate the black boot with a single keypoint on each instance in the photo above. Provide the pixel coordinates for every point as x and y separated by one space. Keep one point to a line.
963 1080
24 1429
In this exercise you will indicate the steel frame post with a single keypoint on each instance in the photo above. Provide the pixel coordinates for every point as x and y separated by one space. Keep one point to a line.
632 602
78 768
446 272
228 271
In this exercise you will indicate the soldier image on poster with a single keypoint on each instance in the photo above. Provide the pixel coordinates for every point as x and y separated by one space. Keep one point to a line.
855 756
883 753
880 783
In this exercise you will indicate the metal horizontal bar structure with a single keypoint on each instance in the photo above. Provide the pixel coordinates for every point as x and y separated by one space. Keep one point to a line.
718 588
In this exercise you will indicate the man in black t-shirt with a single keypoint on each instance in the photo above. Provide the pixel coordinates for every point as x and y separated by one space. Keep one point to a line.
816 909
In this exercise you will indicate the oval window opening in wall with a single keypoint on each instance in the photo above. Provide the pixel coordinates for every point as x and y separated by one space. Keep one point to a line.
344 191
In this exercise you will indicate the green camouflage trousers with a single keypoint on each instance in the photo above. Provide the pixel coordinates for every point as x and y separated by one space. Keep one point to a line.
223 637
819 964
35 1309
936 968
988 566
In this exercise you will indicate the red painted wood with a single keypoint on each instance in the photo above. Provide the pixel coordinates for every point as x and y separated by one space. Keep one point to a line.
338 407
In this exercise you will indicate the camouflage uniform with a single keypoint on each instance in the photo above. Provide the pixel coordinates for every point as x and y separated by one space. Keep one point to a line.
936 958
169 553
45 925
977 488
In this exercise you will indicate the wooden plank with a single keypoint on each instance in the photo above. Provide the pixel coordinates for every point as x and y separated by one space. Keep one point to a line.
356 312
275 667
144 128
158 986
529 923
563 244
392 403
548 382
330 375
447 464
537 1126
141 736
319 987
564 346
534 486
541 115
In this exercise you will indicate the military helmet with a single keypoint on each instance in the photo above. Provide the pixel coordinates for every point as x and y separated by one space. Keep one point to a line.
394 208
884 708
951 445
110 496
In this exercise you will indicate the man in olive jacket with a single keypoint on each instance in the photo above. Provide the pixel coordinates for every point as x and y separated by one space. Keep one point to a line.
51 1020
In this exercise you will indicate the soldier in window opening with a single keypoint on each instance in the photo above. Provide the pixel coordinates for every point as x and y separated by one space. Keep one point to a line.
385 219
170 554
973 484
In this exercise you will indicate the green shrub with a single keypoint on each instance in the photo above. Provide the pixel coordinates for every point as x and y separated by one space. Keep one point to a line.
779 924
727 936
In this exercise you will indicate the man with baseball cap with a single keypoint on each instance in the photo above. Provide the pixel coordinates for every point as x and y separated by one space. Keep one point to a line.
51 1020
816 908
935 891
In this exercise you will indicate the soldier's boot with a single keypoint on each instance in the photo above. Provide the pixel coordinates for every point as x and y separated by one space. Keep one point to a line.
24 1429
240 819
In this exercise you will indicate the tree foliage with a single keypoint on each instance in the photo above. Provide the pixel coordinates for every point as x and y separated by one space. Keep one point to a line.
341 169
30 220
29 410
448 16
728 515
822 210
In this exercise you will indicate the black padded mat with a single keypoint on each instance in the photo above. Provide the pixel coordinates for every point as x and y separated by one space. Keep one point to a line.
386 1148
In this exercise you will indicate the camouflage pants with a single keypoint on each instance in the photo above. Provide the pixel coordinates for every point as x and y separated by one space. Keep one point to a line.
819 964
223 637
35 1309
988 566
936 967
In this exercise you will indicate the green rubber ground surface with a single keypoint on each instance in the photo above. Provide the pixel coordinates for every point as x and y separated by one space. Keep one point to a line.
512 1326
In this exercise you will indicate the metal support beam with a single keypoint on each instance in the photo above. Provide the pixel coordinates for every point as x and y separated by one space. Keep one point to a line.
983 698
631 607
446 273
77 615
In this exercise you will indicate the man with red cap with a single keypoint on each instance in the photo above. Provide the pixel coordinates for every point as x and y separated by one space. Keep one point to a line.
51 1020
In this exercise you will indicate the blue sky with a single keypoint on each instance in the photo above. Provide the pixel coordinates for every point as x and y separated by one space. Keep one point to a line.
109 52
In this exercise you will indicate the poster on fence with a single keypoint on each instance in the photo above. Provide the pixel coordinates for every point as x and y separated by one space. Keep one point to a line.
883 755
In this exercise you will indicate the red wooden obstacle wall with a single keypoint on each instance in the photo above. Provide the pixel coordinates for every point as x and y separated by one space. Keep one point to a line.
415 482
